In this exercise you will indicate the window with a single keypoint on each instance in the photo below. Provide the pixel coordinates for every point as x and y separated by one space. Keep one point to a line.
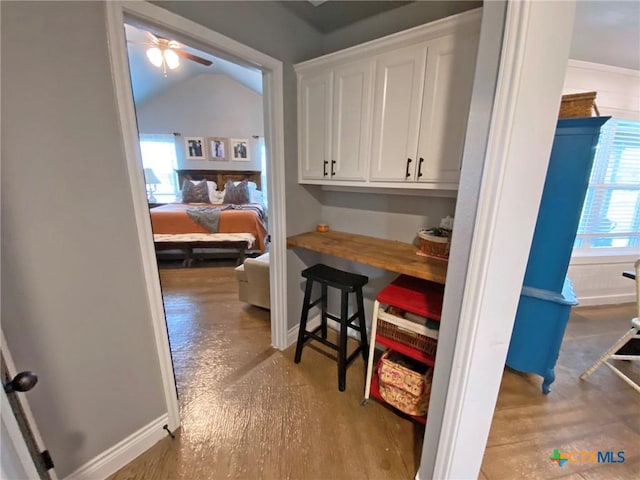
159 154
610 221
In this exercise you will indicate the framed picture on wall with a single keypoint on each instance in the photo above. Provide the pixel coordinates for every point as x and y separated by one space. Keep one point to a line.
218 149
195 148
239 149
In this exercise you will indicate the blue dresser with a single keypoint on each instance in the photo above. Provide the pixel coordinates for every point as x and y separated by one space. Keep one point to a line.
547 295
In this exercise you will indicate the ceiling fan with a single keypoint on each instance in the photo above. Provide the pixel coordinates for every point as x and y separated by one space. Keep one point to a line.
163 53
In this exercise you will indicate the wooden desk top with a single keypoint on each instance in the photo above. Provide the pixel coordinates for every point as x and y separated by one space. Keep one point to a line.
386 254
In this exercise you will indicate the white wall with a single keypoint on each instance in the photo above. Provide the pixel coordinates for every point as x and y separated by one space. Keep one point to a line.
206 106
74 302
598 280
618 88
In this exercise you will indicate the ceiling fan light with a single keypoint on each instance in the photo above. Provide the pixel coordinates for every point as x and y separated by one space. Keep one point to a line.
171 58
155 56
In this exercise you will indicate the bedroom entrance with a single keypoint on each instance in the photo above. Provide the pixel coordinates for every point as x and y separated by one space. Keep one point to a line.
202 126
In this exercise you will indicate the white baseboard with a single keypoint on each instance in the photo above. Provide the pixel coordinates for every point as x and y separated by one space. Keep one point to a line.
606 299
292 335
116 457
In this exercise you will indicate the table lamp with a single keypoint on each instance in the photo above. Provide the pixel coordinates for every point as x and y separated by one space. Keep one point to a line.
152 181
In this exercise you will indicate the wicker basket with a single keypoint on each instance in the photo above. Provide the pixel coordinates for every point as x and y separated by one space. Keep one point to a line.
578 105
404 384
423 343
433 245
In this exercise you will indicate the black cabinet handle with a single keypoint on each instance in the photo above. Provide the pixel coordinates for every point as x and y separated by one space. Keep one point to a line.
324 168
333 162
408 163
420 167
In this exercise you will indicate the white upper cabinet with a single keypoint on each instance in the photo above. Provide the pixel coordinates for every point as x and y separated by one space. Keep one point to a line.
396 117
351 118
314 123
445 108
390 113
334 109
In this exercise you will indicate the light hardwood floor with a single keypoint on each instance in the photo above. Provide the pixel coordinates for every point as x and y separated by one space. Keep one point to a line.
248 412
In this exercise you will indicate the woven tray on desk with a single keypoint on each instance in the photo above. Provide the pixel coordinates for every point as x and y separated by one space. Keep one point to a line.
415 340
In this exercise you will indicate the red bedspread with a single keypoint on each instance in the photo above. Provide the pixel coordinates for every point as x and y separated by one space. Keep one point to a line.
173 218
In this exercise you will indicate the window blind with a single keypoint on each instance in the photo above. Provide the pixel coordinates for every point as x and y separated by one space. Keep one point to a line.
159 153
610 220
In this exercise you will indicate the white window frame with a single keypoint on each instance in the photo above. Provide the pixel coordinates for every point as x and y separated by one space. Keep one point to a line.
597 180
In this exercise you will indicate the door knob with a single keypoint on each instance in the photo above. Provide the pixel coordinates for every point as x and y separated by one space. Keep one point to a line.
22 382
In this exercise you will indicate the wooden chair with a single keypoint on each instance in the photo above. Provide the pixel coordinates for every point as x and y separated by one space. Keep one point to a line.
612 354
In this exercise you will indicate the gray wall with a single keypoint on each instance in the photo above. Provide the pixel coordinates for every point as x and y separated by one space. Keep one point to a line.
73 299
206 106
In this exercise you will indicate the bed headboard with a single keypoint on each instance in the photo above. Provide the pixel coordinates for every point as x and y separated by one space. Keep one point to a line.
219 176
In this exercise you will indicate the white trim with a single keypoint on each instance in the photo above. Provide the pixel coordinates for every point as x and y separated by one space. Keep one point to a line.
292 335
604 68
16 439
614 299
274 139
392 191
513 179
128 125
605 259
123 452
425 32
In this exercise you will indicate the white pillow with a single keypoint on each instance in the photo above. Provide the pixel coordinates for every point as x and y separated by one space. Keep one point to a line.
217 197
212 188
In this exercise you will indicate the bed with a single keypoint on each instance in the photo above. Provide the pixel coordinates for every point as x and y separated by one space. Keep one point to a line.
177 218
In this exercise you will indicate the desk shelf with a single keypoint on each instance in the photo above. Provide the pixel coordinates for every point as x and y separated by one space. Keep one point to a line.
390 255
375 393
403 293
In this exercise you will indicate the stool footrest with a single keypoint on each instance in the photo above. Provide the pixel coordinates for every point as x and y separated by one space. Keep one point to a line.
355 353
349 321
315 302
315 336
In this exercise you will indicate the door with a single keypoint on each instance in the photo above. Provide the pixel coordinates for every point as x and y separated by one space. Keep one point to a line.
23 452
314 125
445 108
399 84
351 121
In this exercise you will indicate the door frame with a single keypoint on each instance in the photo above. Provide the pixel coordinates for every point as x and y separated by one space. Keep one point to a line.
16 440
273 101
487 264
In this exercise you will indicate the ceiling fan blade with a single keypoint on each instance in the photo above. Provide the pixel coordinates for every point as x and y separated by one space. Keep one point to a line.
194 58
152 38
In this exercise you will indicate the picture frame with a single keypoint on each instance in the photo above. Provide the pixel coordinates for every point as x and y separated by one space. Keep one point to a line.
239 149
218 149
195 148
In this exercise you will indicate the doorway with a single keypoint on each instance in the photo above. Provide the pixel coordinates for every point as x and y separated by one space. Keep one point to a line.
187 32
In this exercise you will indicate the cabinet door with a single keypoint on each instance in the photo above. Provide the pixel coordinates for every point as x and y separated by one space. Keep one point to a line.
399 82
351 121
314 124
445 108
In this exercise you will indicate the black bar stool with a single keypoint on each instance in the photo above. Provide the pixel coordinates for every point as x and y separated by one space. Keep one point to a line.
347 283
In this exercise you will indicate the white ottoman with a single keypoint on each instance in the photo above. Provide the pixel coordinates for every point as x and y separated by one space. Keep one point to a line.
253 281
